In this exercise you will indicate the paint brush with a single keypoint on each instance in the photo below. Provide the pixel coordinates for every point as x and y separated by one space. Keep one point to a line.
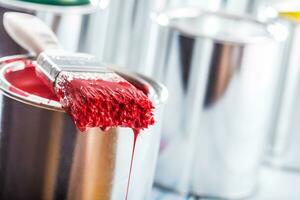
92 93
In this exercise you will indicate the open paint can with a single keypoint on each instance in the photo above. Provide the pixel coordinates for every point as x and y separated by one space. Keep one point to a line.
44 156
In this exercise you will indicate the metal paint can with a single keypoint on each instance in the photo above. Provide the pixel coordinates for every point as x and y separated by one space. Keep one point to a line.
222 78
285 140
59 18
43 155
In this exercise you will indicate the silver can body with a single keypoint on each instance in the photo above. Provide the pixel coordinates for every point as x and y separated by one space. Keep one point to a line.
284 144
71 24
8 46
221 97
43 155
131 36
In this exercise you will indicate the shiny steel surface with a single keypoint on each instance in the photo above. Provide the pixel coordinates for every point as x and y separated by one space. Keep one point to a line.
82 9
128 33
286 184
131 35
221 97
284 149
43 155
50 64
61 19
8 46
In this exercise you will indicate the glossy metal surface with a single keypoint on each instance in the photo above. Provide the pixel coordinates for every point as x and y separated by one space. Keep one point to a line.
131 36
43 156
59 18
286 184
128 30
83 9
284 149
222 79
8 46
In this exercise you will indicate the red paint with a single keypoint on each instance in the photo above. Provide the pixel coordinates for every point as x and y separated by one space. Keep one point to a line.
92 103
104 103
25 82
135 135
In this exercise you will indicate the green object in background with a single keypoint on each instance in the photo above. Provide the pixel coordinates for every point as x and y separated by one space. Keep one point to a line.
60 2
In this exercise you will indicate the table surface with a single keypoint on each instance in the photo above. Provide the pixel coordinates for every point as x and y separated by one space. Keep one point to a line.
275 184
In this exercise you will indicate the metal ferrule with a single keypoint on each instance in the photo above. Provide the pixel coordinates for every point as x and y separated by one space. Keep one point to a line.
50 64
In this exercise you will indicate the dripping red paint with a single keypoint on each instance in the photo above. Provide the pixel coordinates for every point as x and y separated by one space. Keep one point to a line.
104 103
135 136
91 103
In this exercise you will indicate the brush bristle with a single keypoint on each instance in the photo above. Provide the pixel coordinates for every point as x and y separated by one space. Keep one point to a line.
105 102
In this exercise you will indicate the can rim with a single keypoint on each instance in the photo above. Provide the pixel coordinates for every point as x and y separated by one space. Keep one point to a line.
286 6
157 92
164 18
92 7
273 10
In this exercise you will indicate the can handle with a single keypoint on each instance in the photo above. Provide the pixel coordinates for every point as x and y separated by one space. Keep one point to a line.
30 32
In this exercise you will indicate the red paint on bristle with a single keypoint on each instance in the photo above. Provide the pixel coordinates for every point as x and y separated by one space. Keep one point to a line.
104 103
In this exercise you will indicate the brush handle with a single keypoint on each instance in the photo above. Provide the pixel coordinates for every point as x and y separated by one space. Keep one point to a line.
30 32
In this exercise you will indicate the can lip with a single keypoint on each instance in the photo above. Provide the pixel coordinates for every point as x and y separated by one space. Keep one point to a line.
23 96
157 92
92 7
271 11
286 6
211 25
